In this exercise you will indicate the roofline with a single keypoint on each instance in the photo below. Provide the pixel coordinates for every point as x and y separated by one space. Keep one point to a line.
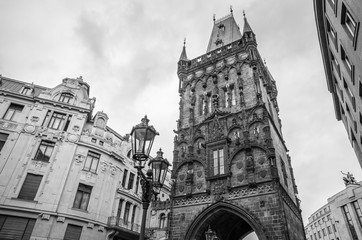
25 83
321 30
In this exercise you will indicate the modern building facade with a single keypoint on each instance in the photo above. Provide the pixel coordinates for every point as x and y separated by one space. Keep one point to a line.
64 174
338 26
233 175
340 218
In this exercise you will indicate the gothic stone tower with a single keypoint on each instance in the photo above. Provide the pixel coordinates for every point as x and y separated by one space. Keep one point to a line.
232 173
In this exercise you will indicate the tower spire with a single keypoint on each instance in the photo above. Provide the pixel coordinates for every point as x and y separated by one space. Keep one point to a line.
183 53
247 27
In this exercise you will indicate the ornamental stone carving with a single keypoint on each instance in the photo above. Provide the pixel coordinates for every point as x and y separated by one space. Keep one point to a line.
28 128
79 158
72 138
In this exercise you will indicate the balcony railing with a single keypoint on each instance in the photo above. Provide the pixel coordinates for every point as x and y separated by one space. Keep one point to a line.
115 221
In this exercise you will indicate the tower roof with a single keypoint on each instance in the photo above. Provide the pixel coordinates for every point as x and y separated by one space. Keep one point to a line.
224 31
183 53
247 27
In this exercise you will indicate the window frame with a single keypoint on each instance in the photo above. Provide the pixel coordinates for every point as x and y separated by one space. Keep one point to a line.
125 172
92 156
130 180
68 235
350 25
13 112
44 157
349 222
82 197
27 186
65 97
3 139
64 121
26 90
218 160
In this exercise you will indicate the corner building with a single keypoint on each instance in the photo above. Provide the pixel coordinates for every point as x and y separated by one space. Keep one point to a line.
64 174
232 173
340 39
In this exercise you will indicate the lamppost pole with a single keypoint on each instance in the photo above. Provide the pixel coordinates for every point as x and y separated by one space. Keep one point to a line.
142 140
146 199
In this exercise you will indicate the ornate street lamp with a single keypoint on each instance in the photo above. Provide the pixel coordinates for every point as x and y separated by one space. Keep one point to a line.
142 140
210 235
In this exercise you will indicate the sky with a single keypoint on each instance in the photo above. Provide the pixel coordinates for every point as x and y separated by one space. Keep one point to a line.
127 51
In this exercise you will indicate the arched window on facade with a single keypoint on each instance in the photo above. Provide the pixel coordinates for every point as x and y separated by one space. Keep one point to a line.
66 97
162 220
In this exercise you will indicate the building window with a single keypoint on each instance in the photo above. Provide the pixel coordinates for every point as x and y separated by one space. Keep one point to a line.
73 232
16 227
119 209
358 211
332 33
57 121
82 197
45 151
350 222
26 90
101 143
126 213
93 140
13 112
329 230
335 64
30 186
137 184
91 163
162 220
3 138
124 177
65 97
333 4
348 21
347 62
134 214
218 157
130 180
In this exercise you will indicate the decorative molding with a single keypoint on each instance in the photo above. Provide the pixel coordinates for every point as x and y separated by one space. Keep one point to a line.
78 158
246 192
61 219
193 200
28 128
45 216
90 225
72 138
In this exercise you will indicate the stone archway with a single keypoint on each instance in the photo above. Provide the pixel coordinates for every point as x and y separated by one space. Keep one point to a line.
228 221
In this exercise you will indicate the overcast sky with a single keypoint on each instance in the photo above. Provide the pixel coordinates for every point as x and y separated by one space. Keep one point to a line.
128 51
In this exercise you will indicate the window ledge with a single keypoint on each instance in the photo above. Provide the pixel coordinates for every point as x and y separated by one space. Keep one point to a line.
80 210
24 200
218 176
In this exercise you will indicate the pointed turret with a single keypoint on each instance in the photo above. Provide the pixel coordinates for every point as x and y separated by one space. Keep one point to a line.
183 56
247 31
182 64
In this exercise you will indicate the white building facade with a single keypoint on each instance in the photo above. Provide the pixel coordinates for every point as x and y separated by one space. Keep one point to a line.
64 174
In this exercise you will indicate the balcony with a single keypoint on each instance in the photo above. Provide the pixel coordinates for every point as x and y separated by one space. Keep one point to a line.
126 229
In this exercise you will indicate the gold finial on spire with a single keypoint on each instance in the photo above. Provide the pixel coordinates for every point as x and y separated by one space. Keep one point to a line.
213 17
231 9
264 62
244 13
184 42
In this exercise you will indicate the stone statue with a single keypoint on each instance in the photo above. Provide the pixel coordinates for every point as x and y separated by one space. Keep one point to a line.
349 179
